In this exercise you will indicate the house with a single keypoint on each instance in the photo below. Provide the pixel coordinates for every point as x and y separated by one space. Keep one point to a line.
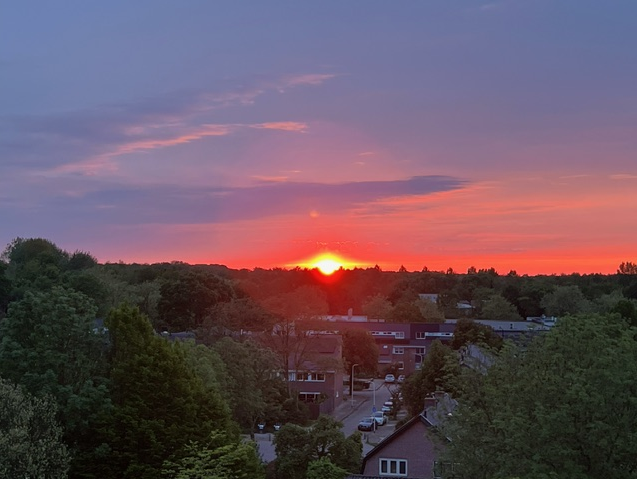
316 375
410 452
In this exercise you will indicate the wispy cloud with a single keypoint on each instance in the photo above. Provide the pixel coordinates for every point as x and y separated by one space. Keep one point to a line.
282 125
87 141
166 204
623 176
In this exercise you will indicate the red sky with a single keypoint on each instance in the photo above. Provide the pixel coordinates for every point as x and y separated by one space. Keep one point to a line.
440 134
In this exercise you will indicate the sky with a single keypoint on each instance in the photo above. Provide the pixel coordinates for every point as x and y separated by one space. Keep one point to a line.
261 134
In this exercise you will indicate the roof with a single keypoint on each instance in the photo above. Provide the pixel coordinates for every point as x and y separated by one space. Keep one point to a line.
393 436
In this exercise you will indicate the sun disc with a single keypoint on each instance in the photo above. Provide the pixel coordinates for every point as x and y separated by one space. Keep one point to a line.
327 266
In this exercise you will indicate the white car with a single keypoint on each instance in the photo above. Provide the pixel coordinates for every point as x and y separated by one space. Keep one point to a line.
380 418
387 406
389 378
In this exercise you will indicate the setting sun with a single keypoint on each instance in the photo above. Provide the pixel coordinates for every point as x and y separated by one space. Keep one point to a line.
327 265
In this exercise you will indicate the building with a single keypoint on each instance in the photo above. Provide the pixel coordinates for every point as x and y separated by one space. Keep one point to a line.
316 373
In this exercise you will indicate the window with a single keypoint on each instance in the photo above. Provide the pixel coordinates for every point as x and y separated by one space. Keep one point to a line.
309 397
316 377
401 365
393 467
311 377
400 335
398 350
421 335
421 351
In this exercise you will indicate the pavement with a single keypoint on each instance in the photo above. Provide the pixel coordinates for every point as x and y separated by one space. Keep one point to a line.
344 410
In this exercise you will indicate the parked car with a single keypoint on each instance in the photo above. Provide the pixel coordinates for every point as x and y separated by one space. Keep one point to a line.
380 418
367 424
387 407
401 379
389 378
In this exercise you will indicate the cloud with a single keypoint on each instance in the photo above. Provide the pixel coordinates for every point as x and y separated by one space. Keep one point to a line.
167 204
623 176
282 125
89 140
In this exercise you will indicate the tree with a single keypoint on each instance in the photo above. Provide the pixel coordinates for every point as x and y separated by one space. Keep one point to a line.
30 437
325 469
218 458
160 403
377 307
627 268
430 311
440 363
498 308
360 348
469 332
565 300
251 391
406 311
569 397
296 313
35 263
297 447
49 347
188 297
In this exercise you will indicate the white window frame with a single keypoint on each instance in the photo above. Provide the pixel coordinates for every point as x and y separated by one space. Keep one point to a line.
315 395
398 350
399 334
401 365
388 463
421 335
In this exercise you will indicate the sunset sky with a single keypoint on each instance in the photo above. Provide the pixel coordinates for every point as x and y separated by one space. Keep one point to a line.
263 133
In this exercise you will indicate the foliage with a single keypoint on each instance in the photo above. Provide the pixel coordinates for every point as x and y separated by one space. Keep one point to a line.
160 403
498 308
627 267
359 347
323 468
251 391
564 407
188 297
30 438
49 347
430 311
439 365
218 458
469 332
377 307
297 447
565 300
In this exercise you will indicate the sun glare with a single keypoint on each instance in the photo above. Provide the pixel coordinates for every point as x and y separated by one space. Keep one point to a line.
327 265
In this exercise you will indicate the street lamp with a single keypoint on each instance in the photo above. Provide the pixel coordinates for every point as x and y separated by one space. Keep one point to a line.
351 392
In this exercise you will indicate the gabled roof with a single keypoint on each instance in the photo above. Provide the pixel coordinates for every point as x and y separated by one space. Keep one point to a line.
395 435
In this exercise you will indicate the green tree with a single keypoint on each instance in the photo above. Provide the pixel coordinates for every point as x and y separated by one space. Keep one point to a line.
30 439
469 332
565 300
562 407
439 365
35 263
188 297
218 458
325 469
297 447
360 348
498 308
49 347
251 391
160 403
377 307
430 311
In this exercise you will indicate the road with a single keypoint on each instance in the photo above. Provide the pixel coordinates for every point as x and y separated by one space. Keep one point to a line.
350 416
365 402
